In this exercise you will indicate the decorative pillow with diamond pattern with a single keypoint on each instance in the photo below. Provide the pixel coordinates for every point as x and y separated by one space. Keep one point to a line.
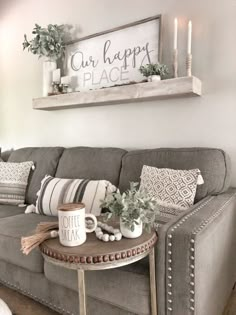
174 189
13 182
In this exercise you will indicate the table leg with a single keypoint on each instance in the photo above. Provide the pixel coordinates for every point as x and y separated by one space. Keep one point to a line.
82 293
152 270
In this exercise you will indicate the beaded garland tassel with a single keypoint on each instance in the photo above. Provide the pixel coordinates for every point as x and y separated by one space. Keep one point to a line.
114 234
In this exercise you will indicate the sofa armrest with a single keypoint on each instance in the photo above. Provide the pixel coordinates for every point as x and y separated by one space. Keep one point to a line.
196 262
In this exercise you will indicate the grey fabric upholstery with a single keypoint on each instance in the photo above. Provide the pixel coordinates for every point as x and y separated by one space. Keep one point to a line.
91 163
11 230
5 155
45 159
126 287
203 283
8 211
213 163
211 223
59 298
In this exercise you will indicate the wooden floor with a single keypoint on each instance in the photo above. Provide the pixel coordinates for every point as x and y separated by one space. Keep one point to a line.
21 305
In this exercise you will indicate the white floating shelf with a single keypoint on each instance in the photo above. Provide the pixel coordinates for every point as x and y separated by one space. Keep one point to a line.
171 88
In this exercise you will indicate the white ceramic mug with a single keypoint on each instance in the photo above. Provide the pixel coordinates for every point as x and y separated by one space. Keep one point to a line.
72 225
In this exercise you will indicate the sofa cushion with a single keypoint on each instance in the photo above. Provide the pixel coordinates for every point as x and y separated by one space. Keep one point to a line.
214 165
5 155
91 163
11 230
9 211
126 287
45 160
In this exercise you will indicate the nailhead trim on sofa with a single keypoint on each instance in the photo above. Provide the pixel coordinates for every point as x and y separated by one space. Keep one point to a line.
198 229
169 251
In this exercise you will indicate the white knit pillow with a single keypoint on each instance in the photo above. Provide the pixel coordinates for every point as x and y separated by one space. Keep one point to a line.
13 182
57 191
174 189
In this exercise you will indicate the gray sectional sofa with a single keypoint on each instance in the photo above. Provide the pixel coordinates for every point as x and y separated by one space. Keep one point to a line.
196 263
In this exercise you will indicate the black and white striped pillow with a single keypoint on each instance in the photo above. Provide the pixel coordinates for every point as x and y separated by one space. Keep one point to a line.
57 191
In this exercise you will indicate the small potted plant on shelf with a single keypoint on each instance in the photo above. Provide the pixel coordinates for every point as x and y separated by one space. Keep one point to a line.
154 71
49 43
135 209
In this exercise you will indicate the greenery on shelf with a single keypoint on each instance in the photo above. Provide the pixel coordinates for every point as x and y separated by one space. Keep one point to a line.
154 69
48 42
131 206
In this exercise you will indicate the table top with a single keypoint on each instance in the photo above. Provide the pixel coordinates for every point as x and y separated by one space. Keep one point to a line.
96 255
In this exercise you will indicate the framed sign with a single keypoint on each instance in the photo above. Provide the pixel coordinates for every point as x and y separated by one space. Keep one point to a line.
113 57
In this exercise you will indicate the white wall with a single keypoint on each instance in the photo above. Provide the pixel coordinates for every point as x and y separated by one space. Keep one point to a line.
206 121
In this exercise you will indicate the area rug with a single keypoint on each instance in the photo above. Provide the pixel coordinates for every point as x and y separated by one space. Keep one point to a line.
21 305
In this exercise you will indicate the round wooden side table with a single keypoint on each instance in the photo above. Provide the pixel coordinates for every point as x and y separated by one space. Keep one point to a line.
97 255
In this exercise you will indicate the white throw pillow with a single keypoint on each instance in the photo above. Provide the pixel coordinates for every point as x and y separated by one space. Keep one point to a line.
13 182
57 191
174 189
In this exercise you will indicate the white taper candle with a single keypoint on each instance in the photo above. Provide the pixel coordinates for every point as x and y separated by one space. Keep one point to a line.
175 33
189 37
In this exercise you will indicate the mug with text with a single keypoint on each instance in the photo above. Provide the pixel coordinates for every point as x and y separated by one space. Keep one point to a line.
72 224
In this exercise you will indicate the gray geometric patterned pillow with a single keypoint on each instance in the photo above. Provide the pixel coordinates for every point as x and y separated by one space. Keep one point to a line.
13 182
174 189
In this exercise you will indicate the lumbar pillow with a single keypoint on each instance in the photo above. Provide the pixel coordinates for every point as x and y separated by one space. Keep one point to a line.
57 191
13 182
174 189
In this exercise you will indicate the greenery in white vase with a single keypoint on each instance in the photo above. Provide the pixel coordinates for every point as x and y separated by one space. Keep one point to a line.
131 206
154 69
47 42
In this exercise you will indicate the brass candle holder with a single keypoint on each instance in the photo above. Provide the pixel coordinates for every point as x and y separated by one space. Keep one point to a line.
189 65
175 63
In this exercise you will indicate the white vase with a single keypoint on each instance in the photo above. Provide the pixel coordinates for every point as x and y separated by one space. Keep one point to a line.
48 67
4 309
154 78
126 232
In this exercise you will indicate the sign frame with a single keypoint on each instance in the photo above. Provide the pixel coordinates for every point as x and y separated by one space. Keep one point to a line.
123 27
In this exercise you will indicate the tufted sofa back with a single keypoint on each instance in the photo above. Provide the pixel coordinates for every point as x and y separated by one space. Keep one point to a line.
214 165
120 167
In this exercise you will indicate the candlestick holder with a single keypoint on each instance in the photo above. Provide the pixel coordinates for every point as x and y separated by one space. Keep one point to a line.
175 63
189 65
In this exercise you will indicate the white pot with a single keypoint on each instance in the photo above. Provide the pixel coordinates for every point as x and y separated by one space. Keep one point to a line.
154 78
4 309
48 67
126 232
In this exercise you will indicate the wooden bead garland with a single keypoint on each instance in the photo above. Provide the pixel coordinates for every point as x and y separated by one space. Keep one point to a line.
115 233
